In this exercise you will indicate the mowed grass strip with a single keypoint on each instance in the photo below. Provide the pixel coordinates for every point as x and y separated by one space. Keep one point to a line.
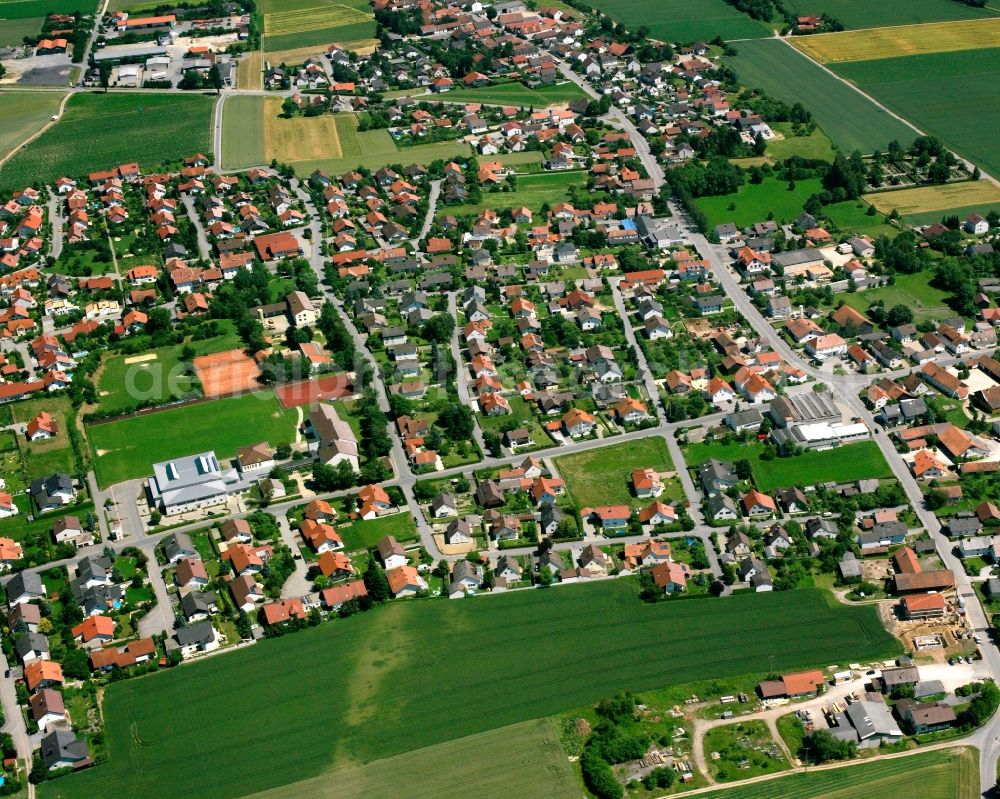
850 119
128 448
683 20
370 687
24 113
942 774
903 40
936 198
300 138
866 14
117 128
243 132
949 95
604 476
524 760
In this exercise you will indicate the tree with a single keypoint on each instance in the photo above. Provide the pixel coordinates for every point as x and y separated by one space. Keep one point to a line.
288 107
457 421
376 582
439 328
105 75
283 451
899 315
215 78
823 747
598 775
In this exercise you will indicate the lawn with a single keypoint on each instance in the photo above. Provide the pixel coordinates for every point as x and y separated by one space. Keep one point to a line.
524 759
912 290
149 128
859 461
24 113
757 202
851 216
816 145
683 21
532 191
943 774
850 120
948 95
878 43
365 534
123 385
746 749
604 476
243 132
519 94
127 449
42 458
866 14
521 656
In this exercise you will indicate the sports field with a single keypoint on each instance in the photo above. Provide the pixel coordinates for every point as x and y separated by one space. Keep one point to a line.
949 95
371 687
532 191
127 449
149 128
683 21
982 193
519 94
754 201
24 113
524 760
604 476
861 461
866 14
942 774
878 43
304 23
850 120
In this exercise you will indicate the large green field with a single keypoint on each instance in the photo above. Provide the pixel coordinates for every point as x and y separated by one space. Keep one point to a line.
524 760
116 128
532 190
861 461
26 9
948 95
942 774
684 21
754 202
519 94
127 449
24 113
243 132
13 31
371 687
866 14
604 476
850 120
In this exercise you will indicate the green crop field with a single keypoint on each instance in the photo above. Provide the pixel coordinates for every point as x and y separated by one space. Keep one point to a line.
604 476
519 94
861 461
294 24
850 120
127 449
117 128
948 95
866 14
24 113
243 132
13 31
684 21
156 379
26 9
370 687
943 774
753 202
532 191
524 760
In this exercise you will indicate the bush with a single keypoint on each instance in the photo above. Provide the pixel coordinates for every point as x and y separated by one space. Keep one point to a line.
598 776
